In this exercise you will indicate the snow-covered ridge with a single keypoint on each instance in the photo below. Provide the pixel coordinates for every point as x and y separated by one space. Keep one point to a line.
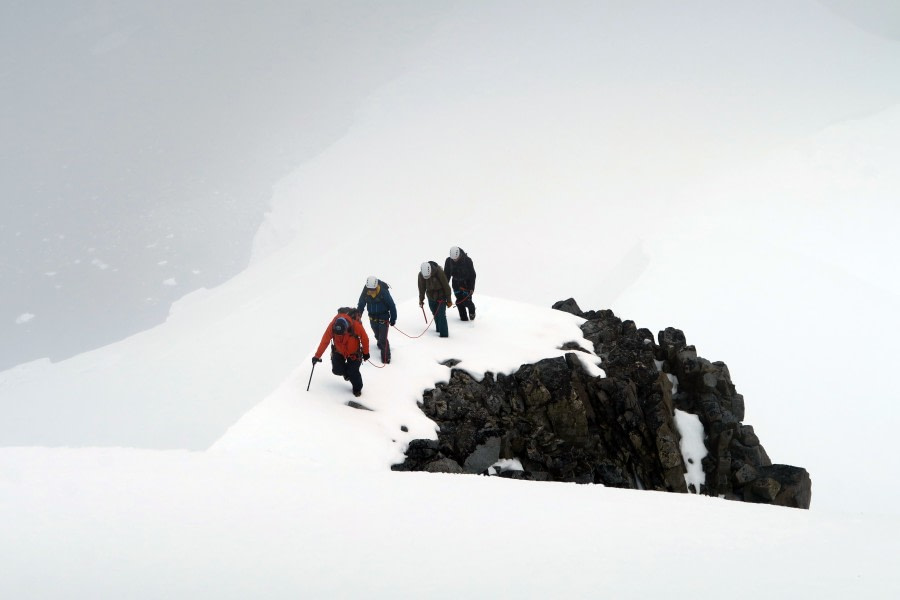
317 426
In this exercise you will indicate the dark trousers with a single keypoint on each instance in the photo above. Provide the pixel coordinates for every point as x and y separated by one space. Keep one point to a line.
348 368
464 304
380 328
439 310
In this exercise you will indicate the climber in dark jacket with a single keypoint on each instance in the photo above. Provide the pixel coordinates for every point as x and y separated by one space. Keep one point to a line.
433 283
461 273
376 298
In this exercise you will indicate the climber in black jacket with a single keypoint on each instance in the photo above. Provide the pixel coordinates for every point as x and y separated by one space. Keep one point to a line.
461 273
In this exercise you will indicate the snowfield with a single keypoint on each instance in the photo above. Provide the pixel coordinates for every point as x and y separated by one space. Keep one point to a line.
116 523
297 499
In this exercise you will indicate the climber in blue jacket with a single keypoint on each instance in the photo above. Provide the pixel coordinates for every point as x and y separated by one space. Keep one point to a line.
377 300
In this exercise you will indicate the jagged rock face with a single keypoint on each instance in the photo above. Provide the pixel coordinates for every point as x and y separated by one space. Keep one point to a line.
562 424
565 425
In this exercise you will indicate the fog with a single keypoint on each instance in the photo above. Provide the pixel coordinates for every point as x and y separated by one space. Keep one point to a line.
142 143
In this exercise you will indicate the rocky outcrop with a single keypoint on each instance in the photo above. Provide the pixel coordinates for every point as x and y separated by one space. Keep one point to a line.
562 424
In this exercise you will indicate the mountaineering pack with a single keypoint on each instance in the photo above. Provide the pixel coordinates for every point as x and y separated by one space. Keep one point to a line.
349 311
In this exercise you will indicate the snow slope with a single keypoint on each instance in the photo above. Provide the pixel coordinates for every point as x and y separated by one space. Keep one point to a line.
150 524
297 500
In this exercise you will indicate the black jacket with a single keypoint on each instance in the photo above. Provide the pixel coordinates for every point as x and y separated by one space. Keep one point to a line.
460 272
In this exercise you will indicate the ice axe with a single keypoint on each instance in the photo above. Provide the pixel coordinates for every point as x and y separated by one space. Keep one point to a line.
311 371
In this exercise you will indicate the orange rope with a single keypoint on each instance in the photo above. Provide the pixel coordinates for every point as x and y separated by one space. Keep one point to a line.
412 337
427 325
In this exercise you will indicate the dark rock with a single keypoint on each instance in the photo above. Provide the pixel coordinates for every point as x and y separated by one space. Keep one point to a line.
764 489
748 436
484 455
618 430
745 474
671 341
795 487
572 346
443 465
569 306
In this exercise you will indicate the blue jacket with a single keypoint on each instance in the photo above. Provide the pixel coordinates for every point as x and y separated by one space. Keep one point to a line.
379 303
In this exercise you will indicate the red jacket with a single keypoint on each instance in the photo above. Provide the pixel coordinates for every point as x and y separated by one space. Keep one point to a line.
348 344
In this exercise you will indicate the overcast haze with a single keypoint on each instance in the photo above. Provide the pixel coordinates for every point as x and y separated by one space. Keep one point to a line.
141 142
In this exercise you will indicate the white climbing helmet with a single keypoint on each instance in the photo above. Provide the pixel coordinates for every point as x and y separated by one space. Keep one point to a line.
454 252
426 270
372 282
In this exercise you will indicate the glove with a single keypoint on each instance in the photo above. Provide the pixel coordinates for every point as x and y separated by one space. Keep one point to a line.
315 360
393 322
421 303
449 304
365 357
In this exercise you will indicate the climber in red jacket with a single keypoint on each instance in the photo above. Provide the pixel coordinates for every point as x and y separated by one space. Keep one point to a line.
349 347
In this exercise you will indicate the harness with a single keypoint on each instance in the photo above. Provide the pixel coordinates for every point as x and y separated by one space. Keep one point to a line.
377 299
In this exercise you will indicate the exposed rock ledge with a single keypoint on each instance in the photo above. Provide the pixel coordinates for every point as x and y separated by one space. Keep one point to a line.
554 422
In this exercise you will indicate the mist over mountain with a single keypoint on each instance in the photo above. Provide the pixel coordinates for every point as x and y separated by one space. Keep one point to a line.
143 143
